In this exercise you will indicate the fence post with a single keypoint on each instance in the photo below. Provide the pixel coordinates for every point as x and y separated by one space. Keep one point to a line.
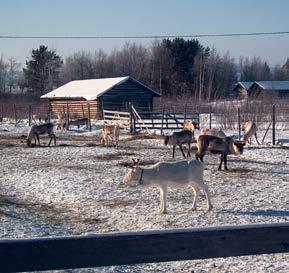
29 114
15 114
273 124
89 120
131 119
2 112
162 125
210 117
239 123
185 114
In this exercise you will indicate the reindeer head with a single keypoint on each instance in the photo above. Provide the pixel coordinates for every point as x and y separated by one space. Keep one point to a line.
133 175
239 146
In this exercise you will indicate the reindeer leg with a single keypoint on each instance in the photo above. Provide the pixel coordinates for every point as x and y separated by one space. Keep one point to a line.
181 148
225 162
196 194
189 153
206 191
221 162
163 200
37 136
49 141
202 157
174 147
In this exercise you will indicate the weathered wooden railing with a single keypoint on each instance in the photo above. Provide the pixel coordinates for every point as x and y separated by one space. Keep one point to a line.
142 247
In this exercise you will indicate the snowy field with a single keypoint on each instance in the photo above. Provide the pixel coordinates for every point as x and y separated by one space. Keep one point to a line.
76 188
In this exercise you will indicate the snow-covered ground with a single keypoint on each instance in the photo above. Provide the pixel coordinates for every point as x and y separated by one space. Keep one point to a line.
76 188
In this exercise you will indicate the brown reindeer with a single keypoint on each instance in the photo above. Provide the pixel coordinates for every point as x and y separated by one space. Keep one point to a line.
217 145
179 138
189 125
110 132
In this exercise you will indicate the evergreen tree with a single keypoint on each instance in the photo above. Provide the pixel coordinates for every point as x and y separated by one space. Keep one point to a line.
42 71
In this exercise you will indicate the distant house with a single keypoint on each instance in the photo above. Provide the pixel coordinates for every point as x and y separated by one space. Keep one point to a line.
256 88
278 88
80 97
240 89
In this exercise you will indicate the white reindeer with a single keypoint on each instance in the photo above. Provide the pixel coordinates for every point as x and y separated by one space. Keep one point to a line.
36 130
164 174
250 129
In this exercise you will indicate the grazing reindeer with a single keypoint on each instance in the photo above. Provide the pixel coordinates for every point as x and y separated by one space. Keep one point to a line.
179 138
110 132
36 130
217 145
250 129
78 122
164 174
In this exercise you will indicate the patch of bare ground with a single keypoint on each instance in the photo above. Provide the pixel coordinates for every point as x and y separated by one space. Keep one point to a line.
143 136
53 214
112 156
239 170
120 202
5 144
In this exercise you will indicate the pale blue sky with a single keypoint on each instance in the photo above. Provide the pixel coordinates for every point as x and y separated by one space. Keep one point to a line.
147 17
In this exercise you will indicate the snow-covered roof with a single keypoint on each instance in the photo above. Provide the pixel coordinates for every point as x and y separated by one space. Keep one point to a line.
273 85
89 89
245 85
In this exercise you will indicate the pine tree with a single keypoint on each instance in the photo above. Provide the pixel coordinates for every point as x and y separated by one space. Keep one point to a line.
42 71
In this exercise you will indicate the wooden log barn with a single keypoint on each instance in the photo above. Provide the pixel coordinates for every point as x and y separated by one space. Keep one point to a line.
83 98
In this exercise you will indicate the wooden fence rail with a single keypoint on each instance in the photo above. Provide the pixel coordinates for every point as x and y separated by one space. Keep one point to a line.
142 247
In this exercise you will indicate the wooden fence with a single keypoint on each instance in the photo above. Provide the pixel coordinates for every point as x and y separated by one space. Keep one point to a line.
142 247
162 120
116 117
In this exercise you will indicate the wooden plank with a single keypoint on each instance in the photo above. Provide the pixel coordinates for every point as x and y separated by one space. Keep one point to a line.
142 247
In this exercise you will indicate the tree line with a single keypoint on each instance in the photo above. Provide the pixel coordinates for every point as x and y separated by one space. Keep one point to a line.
175 68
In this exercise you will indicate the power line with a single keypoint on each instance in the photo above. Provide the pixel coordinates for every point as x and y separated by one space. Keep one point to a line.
146 36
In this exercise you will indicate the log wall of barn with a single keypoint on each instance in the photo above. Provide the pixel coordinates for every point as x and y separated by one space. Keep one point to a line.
75 108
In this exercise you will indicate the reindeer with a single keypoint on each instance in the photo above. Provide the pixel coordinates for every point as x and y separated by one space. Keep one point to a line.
36 130
61 122
78 122
179 138
217 145
164 174
250 129
189 125
110 132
